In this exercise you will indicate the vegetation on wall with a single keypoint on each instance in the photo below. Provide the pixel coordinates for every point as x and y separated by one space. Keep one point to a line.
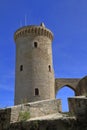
24 115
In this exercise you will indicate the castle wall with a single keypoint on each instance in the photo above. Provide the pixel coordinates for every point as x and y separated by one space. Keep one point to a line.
78 106
35 109
59 124
82 87
5 118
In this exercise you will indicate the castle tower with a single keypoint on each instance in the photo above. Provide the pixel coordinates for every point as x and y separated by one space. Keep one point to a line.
34 70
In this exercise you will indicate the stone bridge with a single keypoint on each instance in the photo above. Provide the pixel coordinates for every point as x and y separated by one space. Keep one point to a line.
69 82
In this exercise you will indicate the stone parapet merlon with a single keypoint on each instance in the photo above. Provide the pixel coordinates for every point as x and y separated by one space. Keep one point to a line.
35 30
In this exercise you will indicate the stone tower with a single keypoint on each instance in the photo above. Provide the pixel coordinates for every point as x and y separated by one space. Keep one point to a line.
34 70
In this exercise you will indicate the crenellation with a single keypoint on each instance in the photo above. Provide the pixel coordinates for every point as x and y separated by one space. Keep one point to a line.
36 30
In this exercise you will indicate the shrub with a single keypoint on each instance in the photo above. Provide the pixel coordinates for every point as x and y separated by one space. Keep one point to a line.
23 116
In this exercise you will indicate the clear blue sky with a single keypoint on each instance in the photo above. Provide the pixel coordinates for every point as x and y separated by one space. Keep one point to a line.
68 21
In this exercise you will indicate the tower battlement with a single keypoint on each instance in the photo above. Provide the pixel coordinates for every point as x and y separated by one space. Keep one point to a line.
34 30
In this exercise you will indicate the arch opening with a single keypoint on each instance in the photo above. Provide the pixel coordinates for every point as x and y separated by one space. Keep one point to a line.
64 93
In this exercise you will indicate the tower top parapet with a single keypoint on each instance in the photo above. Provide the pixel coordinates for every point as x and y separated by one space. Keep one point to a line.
40 30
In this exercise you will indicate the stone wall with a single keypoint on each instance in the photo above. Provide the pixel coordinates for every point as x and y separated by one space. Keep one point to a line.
59 124
5 117
82 87
77 120
68 123
35 109
78 106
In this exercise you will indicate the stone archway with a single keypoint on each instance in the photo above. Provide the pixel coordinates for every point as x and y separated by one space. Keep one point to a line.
71 83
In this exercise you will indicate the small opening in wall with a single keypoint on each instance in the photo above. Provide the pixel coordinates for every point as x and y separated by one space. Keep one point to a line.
36 91
35 44
49 67
21 67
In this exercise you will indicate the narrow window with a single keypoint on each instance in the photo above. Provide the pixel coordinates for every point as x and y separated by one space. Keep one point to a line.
79 105
36 91
35 44
49 67
21 67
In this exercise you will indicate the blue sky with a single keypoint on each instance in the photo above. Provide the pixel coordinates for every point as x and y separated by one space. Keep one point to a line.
68 21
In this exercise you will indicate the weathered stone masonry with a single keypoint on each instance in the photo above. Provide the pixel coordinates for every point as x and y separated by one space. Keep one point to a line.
34 67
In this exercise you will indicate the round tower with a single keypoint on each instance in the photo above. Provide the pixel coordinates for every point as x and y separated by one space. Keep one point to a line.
34 79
